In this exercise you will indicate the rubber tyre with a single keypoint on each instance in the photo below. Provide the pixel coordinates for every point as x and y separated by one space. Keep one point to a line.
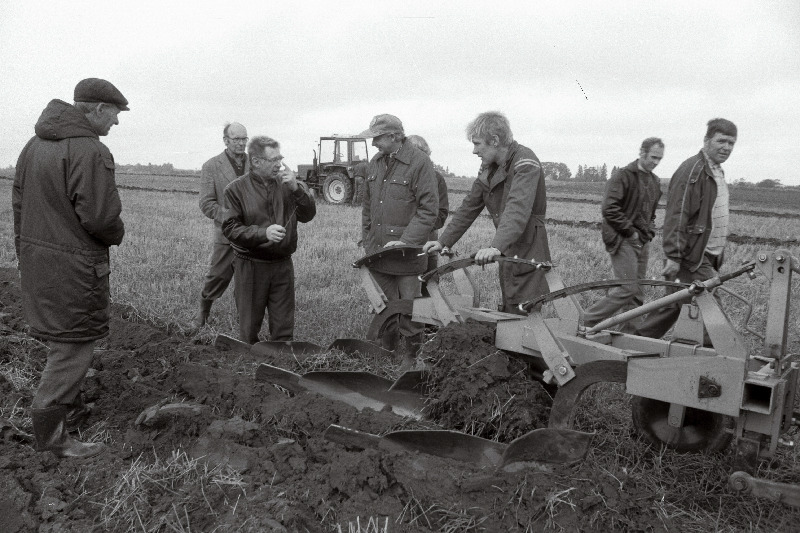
337 188
703 431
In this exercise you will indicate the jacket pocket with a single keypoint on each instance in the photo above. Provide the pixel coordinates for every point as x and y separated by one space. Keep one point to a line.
693 235
399 190
99 293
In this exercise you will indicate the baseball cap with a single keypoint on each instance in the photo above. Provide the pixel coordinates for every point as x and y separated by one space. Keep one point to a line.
97 90
382 124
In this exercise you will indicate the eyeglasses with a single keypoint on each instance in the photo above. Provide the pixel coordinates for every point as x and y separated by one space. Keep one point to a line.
238 139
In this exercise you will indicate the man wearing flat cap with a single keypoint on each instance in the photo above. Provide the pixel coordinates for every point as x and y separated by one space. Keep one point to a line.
66 216
400 207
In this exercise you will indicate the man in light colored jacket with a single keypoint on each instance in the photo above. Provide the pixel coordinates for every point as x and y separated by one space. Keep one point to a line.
217 173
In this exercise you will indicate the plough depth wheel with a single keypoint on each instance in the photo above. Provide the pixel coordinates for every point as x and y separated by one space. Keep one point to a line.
702 431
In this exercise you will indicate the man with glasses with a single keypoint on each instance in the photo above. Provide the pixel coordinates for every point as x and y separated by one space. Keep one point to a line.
217 173
260 221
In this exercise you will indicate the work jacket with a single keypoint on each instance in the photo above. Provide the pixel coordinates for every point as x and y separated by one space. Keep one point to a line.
217 174
66 215
687 221
514 194
400 204
253 204
622 206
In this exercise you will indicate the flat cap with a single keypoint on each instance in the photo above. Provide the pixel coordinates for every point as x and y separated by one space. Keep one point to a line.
97 90
381 125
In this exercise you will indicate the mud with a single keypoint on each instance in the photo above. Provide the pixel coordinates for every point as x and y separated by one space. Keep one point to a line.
274 470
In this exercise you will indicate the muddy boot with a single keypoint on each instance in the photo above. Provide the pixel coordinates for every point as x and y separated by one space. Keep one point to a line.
49 429
77 414
202 315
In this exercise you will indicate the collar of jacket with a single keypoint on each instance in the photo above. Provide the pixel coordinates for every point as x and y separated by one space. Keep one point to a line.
264 182
634 167
403 154
500 171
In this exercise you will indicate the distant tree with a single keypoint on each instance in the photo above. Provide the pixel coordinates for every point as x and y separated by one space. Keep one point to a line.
614 170
579 176
604 173
591 174
556 171
769 183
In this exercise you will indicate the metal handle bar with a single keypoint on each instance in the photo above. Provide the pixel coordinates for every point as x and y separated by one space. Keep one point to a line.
692 290
469 261
595 285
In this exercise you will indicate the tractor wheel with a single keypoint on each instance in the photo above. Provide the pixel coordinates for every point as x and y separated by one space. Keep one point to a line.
702 431
337 188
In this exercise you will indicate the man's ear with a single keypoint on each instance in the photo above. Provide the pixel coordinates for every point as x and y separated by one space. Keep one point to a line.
495 140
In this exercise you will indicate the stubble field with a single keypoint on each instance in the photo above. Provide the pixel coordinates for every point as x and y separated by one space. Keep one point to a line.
156 278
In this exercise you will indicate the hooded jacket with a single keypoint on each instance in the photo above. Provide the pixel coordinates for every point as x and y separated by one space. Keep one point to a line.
66 215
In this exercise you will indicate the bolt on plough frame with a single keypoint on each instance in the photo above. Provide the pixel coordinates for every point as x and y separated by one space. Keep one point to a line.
687 395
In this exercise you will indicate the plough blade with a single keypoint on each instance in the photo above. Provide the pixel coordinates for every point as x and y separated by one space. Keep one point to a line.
359 389
301 350
543 445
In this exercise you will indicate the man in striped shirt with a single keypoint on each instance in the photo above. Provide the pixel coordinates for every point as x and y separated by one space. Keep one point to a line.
696 220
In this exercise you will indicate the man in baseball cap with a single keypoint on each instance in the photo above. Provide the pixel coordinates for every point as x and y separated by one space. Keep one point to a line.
67 215
400 207
381 125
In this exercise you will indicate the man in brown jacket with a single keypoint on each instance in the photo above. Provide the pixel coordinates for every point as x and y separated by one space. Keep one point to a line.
66 216
510 185
400 206
263 208
217 173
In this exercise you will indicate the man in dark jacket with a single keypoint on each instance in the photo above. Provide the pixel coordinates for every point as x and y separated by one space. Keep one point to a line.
510 186
400 206
263 208
66 216
696 220
629 214
218 172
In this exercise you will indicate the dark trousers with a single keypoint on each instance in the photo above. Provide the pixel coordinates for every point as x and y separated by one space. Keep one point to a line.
657 323
66 368
629 262
264 288
220 271
400 288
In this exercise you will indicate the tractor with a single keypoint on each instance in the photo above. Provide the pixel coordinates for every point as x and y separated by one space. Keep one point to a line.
333 172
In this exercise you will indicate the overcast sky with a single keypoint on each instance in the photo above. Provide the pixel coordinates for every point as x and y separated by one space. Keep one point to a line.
581 82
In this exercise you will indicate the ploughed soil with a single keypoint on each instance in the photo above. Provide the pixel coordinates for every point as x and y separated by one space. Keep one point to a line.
241 455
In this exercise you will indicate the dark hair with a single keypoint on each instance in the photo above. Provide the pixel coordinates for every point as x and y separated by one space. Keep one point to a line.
260 143
488 124
650 142
720 125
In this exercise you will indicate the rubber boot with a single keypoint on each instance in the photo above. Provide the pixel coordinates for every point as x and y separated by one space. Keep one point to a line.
50 431
202 315
78 412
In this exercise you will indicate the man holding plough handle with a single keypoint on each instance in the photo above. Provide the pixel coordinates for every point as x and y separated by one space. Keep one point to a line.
510 185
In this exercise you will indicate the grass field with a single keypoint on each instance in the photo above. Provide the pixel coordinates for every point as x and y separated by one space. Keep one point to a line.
159 267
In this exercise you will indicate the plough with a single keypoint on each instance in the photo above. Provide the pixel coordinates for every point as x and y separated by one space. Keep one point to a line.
685 396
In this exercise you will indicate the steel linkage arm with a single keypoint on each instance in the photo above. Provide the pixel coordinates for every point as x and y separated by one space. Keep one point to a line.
693 289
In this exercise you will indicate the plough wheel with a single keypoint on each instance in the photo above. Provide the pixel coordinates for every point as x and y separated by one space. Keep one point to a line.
393 308
702 431
562 414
